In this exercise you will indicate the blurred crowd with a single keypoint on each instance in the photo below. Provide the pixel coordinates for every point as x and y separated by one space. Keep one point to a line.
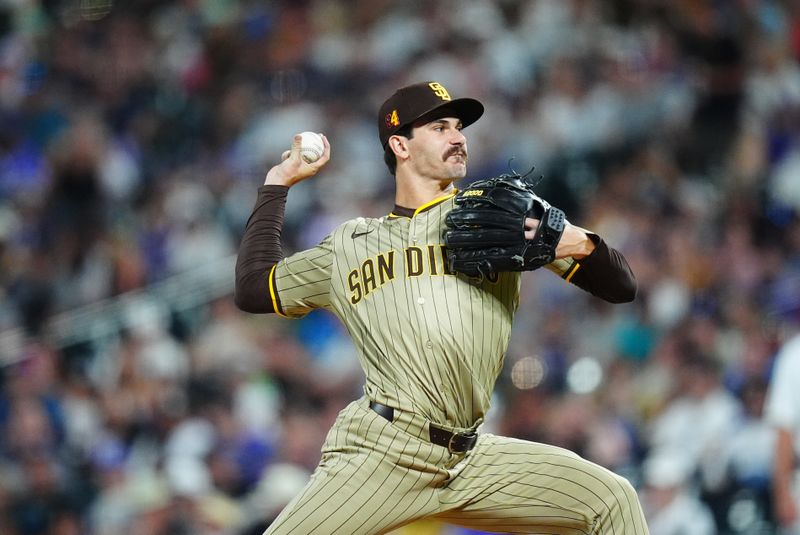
133 137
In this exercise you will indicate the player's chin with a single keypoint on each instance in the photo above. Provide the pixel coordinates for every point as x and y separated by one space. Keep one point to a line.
456 168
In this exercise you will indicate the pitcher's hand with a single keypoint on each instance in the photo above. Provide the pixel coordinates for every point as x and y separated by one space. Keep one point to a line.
293 168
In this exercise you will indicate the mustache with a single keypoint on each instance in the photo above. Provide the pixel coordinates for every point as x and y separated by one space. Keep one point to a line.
462 151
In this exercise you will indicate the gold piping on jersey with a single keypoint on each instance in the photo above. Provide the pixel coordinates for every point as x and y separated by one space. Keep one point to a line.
427 205
572 271
273 292
434 202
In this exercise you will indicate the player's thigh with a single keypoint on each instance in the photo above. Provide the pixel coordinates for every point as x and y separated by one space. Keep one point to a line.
515 486
345 500
372 478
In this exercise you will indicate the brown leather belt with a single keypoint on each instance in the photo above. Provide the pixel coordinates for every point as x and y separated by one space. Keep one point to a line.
454 442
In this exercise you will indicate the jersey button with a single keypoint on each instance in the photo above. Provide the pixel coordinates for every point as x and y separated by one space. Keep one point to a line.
421 300
429 344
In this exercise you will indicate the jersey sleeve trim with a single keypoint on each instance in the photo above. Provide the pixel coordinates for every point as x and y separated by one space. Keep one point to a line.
273 293
572 271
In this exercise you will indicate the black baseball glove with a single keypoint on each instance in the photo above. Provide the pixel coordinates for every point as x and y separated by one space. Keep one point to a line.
486 229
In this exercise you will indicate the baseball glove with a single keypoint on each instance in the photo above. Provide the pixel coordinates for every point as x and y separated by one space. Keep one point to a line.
486 229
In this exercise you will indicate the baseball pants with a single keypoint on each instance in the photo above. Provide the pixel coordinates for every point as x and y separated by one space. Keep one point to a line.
376 475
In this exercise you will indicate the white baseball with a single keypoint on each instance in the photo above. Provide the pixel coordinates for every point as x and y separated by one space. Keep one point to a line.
311 146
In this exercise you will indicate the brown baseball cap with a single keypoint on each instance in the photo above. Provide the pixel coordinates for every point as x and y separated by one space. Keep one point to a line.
409 103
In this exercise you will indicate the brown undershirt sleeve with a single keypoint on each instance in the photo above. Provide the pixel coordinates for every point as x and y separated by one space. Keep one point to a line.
604 273
260 250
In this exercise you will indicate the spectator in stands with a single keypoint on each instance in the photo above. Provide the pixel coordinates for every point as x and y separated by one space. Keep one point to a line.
783 407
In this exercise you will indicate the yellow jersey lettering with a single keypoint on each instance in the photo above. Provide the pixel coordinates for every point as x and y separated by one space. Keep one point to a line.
355 287
373 273
413 262
368 276
432 259
385 267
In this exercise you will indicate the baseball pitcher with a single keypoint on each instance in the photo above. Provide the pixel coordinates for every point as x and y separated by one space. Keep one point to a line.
428 293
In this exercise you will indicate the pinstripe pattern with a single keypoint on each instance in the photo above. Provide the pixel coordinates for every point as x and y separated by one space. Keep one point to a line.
373 477
432 345
376 476
511 486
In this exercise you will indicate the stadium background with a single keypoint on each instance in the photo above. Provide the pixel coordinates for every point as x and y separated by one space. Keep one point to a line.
134 133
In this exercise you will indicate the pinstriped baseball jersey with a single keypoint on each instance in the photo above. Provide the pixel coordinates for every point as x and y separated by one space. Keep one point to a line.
431 342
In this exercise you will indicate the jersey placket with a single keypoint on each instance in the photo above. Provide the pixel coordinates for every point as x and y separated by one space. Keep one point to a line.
417 237
422 234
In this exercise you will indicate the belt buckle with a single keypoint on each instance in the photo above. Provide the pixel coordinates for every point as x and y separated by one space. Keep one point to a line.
450 444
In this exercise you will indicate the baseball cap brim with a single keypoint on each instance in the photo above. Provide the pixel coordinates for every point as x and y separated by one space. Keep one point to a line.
468 110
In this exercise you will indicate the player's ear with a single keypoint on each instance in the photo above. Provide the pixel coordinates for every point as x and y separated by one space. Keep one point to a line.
399 145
